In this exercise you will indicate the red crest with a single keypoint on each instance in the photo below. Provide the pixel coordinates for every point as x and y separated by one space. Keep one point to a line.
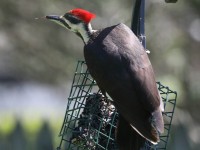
82 14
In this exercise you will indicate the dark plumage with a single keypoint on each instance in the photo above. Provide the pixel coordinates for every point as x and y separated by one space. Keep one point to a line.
119 64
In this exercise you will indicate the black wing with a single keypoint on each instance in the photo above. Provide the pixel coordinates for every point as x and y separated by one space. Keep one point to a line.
120 65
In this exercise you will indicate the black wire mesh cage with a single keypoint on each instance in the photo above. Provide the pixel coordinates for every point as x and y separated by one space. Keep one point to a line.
90 119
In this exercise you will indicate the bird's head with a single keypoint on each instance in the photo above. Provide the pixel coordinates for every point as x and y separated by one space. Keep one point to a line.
76 20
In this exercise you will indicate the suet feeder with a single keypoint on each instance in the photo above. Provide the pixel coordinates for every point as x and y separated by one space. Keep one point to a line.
90 119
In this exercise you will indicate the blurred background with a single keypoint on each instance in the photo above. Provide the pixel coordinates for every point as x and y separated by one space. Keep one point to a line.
38 60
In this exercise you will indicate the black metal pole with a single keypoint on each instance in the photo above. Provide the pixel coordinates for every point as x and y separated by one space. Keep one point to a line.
135 16
138 21
142 24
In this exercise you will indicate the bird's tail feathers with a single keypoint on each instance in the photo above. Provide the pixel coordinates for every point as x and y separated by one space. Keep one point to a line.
156 126
130 138
152 137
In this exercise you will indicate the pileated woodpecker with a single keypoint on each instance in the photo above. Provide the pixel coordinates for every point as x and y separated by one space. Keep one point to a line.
118 62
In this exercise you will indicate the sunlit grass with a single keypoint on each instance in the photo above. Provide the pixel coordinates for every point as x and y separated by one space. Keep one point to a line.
7 123
55 125
31 127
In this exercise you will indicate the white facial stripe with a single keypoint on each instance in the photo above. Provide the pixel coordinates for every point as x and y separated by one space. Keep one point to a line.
58 22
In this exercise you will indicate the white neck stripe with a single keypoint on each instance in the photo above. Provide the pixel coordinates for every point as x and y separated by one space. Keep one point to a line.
82 29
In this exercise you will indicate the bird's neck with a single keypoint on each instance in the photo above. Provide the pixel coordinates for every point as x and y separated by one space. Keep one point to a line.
85 32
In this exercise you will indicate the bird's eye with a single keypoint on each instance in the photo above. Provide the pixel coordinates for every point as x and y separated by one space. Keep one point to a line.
72 19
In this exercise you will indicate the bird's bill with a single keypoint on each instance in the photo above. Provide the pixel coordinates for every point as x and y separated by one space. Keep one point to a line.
58 19
54 17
